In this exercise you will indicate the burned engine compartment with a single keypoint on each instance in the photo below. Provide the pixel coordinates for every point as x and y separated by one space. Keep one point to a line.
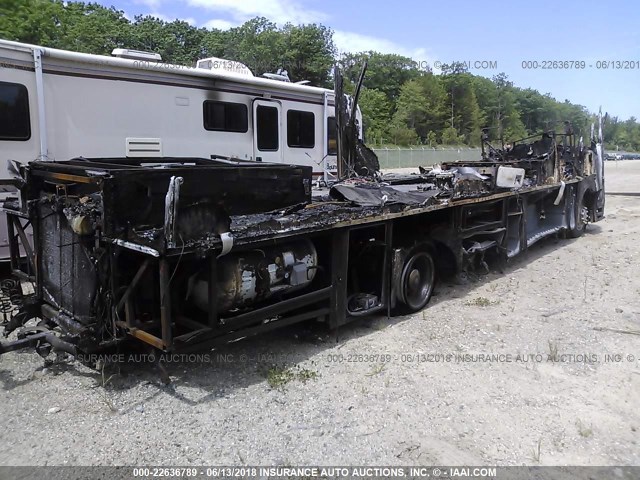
136 201
93 218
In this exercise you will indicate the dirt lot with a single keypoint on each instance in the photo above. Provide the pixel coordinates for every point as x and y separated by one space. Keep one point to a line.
341 404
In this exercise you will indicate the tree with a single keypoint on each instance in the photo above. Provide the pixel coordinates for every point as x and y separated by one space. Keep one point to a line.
92 28
463 110
257 43
403 136
31 21
308 53
385 72
376 113
450 136
421 105
507 117
186 44
412 108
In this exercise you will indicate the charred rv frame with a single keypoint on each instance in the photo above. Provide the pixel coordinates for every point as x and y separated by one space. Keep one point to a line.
188 253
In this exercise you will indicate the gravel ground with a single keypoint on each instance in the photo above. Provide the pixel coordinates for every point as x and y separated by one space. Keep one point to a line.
380 391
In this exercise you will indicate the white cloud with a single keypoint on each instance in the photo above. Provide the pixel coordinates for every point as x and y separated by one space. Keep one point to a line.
349 42
232 13
278 11
166 18
220 24
152 4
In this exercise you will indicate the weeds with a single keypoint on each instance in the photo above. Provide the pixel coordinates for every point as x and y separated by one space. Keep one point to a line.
279 376
376 370
583 430
482 302
304 375
553 351
105 381
537 452
109 403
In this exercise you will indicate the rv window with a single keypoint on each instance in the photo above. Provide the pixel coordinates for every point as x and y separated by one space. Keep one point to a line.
301 129
332 140
14 112
225 116
267 126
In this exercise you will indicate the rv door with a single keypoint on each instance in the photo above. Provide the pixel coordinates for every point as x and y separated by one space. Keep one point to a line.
267 131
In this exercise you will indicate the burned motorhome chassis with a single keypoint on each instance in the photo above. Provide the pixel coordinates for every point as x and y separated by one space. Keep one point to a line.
186 254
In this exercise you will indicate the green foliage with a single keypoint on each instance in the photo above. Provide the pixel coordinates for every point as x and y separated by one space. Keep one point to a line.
92 28
376 114
401 103
279 376
622 135
403 136
420 106
385 72
450 136
256 43
308 52
431 138
463 110
31 21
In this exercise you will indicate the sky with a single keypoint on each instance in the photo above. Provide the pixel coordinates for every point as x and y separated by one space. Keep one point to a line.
491 35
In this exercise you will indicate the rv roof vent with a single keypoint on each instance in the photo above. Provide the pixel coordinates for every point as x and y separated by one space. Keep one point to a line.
222 65
136 54
281 75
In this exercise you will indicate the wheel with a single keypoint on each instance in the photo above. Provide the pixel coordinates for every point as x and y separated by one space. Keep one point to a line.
581 217
416 281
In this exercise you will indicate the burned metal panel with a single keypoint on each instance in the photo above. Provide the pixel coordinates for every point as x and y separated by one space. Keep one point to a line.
133 194
367 195
68 275
205 194
355 159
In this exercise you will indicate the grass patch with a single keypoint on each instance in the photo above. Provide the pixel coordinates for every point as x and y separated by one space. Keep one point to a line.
376 370
304 375
482 302
279 376
583 430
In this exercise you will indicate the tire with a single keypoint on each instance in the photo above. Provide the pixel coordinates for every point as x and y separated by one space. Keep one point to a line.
580 225
416 281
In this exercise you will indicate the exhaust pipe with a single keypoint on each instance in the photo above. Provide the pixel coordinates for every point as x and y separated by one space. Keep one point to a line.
38 339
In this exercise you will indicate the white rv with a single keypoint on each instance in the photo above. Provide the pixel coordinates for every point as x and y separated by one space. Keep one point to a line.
57 105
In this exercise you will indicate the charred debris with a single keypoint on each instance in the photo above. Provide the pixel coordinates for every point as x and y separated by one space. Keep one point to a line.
185 252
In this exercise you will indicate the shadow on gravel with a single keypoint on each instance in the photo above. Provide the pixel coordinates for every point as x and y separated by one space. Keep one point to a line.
210 375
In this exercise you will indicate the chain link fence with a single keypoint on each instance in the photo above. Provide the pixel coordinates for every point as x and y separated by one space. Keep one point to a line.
425 156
